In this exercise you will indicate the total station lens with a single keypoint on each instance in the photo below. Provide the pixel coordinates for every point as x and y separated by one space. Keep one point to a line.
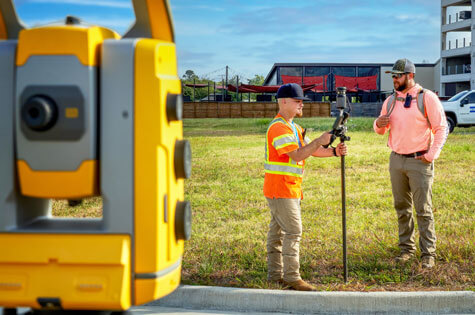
39 113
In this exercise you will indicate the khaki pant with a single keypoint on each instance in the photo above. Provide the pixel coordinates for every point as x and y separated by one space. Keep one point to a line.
411 181
283 239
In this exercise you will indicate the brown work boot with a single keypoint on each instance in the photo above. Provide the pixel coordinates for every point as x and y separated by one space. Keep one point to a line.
428 262
403 257
300 285
276 281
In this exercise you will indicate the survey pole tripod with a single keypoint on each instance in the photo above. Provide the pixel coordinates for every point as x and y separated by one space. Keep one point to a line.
339 131
344 138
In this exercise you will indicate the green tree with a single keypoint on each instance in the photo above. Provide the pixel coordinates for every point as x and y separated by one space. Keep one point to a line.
199 92
257 80
189 75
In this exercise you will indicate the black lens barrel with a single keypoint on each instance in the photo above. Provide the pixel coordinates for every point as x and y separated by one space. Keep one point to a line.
39 113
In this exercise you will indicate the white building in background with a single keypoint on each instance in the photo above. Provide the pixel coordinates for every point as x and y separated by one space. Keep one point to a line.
457 54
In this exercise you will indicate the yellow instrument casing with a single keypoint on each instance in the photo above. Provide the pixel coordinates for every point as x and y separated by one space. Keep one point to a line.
89 113
38 268
155 137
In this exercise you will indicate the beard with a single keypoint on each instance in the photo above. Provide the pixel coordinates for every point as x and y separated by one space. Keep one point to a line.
403 86
299 113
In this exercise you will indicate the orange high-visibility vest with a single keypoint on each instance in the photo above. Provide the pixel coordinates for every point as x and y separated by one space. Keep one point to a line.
283 176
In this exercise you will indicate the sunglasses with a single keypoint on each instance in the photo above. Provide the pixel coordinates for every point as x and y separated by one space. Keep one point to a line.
398 75
407 102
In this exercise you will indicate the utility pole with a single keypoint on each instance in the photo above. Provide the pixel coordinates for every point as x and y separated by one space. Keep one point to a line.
226 92
194 83
237 89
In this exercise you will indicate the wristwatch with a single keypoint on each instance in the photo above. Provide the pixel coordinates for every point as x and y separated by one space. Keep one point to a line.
334 151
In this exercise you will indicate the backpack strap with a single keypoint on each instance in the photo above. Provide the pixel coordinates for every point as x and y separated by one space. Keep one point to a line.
422 108
421 105
390 104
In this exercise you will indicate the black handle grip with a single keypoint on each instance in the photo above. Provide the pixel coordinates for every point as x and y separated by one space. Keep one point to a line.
331 139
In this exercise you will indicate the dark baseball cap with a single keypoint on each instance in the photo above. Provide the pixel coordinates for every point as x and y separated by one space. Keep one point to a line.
403 66
291 90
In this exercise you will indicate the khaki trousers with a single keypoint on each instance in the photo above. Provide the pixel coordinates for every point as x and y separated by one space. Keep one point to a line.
283 239
411 182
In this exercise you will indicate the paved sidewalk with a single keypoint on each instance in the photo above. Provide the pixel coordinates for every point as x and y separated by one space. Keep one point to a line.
284 301
162 310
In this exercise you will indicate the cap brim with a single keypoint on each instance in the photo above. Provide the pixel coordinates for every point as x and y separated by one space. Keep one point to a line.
394 71
301 98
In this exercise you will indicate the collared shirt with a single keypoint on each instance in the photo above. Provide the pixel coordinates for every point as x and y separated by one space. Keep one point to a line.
409 130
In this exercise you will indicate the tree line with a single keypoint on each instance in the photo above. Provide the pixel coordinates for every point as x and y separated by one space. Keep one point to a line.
201 93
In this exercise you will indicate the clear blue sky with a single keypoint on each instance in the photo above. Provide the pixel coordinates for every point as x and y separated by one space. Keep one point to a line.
250 36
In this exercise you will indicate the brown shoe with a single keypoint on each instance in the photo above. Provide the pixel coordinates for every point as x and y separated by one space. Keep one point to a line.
276 281
428 262
300 285
403 258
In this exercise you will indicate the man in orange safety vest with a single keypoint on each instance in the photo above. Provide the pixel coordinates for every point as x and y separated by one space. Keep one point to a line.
285 153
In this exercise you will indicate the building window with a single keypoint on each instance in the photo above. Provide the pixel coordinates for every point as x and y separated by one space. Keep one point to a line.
369 72
273 78
319 76
344 71
316 71
290 75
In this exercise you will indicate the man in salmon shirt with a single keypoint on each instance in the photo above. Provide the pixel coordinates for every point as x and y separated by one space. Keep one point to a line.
285 153
416 140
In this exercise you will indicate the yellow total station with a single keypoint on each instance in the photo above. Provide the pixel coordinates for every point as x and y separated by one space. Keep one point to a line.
86 112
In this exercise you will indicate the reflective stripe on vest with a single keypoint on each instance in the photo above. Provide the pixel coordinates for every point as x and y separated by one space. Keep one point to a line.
289 168
283 141
283 169
267 135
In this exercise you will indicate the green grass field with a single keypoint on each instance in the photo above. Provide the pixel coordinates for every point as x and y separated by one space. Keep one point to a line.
230 215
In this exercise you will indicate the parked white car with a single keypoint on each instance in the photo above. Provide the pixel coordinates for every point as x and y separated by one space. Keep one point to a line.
460 110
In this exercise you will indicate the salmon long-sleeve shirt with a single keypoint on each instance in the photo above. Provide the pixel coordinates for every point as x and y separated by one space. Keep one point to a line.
409 131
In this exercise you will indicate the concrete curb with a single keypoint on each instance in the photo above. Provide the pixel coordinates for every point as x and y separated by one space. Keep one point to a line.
256 300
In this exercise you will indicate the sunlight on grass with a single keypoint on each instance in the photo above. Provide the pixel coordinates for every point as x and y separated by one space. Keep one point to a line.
230 214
